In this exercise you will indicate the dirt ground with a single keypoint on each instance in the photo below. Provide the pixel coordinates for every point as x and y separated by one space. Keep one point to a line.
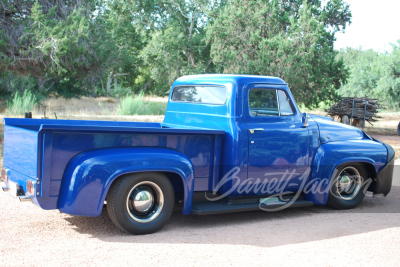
366 236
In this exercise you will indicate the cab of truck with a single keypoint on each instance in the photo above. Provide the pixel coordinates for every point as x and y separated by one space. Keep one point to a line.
263 126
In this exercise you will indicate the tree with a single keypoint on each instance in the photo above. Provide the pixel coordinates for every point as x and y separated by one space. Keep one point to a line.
49 40
390 83
374 74
291 39
124 64
176 43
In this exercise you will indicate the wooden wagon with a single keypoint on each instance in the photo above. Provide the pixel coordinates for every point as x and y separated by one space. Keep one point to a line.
355 111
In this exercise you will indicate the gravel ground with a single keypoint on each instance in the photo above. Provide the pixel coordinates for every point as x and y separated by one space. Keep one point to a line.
366 236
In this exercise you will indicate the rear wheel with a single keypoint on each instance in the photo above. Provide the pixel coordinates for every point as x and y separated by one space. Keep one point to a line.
141 203
348 187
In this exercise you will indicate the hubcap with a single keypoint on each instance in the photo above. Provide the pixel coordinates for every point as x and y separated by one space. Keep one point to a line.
145 202
349 183
345 183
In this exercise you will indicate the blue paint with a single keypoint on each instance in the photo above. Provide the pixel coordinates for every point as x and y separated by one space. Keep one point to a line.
331 155
331 131
77 161
89 175
282 145
20 150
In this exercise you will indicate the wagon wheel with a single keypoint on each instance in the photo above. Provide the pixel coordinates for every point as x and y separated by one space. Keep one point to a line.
345 119
357 123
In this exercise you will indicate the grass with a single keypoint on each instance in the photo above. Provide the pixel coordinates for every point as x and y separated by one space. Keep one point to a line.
21 104
90 108
139 106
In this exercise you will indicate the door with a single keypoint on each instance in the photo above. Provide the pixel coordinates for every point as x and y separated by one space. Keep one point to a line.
278 141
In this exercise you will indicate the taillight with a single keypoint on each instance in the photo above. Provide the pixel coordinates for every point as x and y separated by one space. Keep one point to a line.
4 174
30 188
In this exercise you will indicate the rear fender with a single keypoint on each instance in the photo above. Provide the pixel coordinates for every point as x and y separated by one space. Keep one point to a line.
89 175
330 156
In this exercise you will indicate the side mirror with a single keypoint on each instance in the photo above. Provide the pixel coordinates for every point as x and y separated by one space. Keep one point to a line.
304 119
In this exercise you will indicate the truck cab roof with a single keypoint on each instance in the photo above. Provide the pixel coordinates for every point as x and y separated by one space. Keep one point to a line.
239 79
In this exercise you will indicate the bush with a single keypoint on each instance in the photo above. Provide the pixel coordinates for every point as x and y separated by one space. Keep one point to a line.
137 106
11 83
21 104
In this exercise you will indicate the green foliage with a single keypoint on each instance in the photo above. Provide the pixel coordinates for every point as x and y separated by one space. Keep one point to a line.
71 48
294 42
63 44
11 83
374 74
137 106
69 87
54 40
177 39
120 92
22 103
322 106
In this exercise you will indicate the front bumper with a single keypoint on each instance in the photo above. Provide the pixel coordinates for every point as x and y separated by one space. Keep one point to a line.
384 178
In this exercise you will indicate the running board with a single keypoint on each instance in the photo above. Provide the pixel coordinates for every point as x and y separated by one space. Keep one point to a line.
221 207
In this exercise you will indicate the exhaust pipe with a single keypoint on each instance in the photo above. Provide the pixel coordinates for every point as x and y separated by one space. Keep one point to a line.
24 198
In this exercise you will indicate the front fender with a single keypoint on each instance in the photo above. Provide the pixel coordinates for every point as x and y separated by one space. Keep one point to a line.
331 155
89 175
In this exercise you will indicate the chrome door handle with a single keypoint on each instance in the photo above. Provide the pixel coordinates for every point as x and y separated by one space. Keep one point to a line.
258 129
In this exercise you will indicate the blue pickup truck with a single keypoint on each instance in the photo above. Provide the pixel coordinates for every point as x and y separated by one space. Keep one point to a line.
228 143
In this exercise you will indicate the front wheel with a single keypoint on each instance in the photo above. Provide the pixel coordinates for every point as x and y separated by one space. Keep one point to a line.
141 203
347 189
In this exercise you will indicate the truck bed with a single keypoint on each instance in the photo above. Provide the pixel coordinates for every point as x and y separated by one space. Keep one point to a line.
41 148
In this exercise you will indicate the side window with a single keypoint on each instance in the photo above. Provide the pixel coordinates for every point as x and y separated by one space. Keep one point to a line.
263 102
285 106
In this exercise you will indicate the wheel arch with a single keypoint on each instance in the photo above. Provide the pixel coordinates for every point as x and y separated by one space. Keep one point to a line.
330 156
89 175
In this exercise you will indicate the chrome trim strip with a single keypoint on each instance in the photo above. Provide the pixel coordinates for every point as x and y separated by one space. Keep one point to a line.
24 198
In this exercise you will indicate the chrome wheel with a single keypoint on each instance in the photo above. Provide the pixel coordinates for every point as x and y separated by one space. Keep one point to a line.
145 202
349 183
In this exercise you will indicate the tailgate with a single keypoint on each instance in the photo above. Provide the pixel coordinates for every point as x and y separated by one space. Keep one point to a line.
21 150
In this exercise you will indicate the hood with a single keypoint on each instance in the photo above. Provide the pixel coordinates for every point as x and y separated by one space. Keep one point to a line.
319 117
330 131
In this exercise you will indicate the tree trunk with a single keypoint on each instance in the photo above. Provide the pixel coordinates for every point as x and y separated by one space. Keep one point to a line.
41 83
109 83
191 54
145 86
